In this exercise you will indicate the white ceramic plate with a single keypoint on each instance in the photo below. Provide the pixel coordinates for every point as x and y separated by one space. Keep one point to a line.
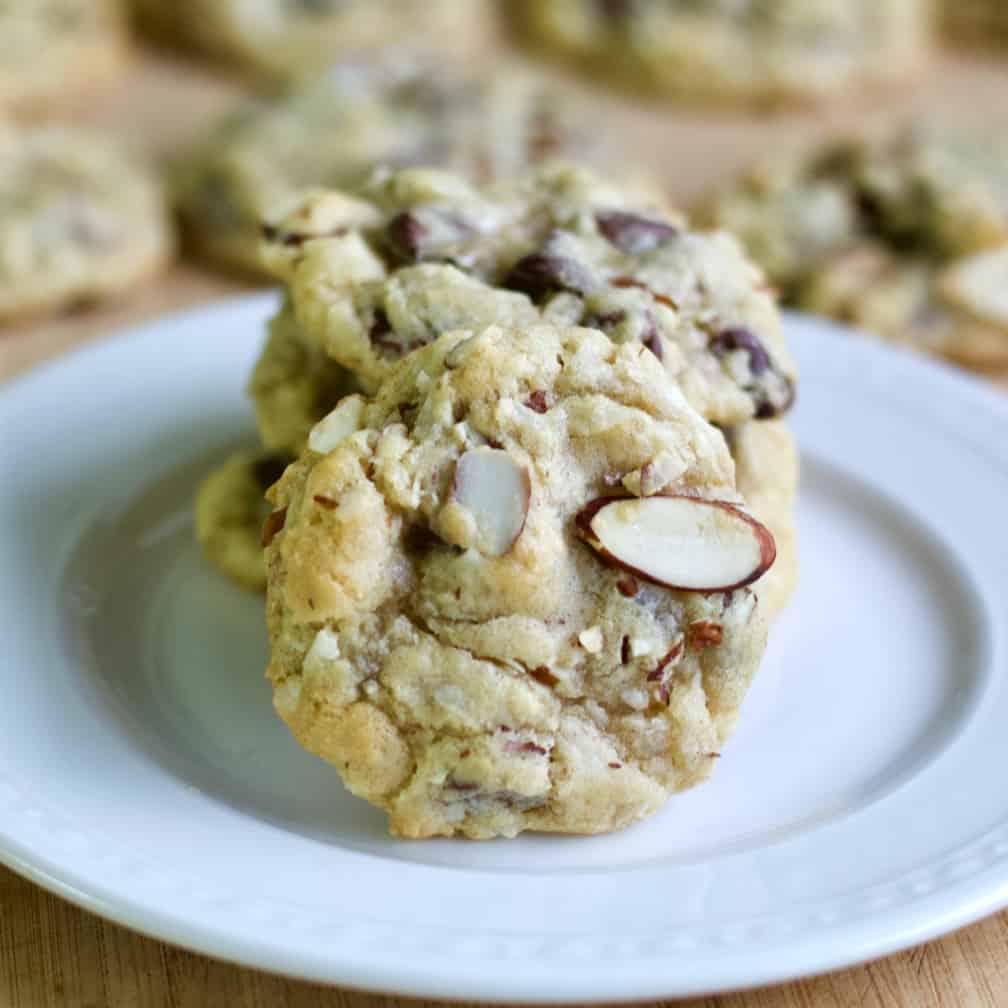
859 808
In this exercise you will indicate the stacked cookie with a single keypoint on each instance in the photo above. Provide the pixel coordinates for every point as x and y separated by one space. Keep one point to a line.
519 579
906 238
764 51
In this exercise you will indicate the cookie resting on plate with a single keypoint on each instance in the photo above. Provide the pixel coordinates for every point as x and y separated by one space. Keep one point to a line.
294 385
79 220
510 592
424 252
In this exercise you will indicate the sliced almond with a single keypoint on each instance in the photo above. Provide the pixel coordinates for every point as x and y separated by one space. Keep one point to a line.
679 542
496 491
591 639
338 425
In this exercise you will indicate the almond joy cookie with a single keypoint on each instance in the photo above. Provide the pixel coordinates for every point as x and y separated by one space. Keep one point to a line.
283 40
373 278
54 52
404 108
510 591
900 237
294 385
79 220
766 51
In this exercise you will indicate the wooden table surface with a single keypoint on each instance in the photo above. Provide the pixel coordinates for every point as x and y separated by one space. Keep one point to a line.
52 954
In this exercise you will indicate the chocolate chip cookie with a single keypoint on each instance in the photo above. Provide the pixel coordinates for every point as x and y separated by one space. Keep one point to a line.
404 108
282 40
423 252
895 236
766 51
511 590
79 220
53 53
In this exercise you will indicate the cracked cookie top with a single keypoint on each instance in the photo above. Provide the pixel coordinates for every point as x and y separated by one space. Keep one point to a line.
371 279
456 629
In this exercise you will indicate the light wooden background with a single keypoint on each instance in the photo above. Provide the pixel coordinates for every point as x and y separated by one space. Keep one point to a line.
54 955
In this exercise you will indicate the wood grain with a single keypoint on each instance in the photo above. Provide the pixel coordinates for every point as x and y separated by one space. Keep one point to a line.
53 955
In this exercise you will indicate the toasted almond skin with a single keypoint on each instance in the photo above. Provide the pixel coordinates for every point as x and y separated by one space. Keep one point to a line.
767 545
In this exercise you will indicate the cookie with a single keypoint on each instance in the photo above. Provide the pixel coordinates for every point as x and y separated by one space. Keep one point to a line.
763 51
882 236
281 40
53 53
766 475
404 108
453 625
293 385
79 220
230 511
426 252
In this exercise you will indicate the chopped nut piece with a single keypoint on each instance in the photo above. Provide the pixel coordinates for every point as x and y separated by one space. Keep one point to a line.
591 639
703 634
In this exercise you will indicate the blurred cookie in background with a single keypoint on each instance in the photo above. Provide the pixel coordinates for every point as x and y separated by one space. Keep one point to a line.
54 53
282 40
399 109
900 237
760 51
80 221
981 22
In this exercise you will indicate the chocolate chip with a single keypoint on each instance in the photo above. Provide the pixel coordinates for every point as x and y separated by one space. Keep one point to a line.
627 586
615 766
738 338
615 10
424 234
405 236
767 409
652 339
540 273
294 239
325 502
632 233
625 654
267 469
